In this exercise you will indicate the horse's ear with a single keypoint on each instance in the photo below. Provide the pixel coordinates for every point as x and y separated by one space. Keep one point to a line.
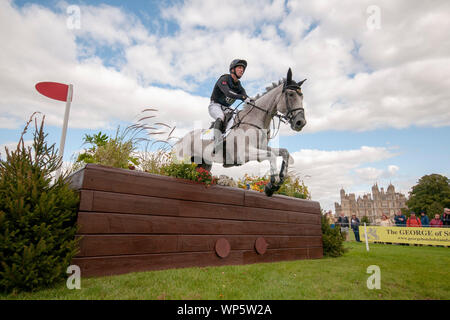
289 76
301 82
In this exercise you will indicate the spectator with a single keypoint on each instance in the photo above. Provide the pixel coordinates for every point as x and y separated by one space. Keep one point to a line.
436 222
385 221
424 219
413 221
446 218
400 219
330 219
343 223
355 227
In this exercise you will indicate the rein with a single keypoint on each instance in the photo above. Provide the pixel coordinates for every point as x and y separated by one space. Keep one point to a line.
281 117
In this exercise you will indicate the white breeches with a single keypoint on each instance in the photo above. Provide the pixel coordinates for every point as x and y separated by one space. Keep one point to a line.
216 111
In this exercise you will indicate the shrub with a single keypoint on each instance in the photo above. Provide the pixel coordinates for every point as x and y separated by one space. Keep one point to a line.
365 219
113 152
188 171
181 170
294 187
333 241
154 162
37 216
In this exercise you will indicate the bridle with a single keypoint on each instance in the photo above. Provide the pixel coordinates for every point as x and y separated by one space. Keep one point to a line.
288 117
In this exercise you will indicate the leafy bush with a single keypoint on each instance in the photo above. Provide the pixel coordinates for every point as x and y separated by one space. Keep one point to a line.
37 216
292 186
181 170
154 162
333 241
121 151
188 171
114 152
365 219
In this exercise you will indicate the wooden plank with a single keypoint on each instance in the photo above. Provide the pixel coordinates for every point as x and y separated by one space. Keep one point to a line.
111 223
141 183
280 202
86 200
105 245
136 204
111 265
315 253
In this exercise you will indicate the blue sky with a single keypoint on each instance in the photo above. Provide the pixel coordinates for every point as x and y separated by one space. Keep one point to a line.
376 98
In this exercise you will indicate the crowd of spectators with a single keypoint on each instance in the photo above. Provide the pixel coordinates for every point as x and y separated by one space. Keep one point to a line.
422 221
400 220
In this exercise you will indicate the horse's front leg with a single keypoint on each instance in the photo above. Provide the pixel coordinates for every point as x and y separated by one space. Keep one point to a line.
267 154
285 163
275 179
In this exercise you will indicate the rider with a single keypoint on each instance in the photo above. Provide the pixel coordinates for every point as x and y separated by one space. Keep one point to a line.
227 90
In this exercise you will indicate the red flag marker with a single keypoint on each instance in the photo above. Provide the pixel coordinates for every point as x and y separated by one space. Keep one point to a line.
53 90
61 92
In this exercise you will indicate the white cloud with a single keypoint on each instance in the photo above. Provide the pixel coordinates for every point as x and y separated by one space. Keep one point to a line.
392 169
219 15
41 48
404 87
399 74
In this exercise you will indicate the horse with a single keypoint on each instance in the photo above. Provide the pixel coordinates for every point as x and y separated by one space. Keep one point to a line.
247 139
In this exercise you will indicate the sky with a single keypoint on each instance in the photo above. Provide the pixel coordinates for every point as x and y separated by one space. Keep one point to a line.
377 95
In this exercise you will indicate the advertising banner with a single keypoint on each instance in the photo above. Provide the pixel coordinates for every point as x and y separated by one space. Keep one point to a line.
432 236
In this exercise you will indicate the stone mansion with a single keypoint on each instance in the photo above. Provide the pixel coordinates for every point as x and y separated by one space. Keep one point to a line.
373 206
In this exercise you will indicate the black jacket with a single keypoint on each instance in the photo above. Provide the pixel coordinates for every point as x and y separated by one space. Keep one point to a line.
343 222
446 219
226 91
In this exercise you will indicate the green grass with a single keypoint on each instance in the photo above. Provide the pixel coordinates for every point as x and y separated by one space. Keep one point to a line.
407 272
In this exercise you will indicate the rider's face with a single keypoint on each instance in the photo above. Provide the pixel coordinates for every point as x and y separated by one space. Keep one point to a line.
239 71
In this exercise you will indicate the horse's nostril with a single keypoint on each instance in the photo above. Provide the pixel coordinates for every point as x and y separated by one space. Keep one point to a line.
298 123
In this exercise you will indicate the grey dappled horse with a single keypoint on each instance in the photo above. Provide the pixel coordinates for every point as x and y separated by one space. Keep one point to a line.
247 140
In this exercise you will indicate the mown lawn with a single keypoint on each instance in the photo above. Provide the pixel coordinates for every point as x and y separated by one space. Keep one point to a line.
407 272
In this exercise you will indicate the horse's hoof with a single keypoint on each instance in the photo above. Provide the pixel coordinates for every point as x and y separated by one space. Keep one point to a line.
268 191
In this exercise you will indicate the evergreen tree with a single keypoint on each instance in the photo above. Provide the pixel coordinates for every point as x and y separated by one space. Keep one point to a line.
332 240
37 216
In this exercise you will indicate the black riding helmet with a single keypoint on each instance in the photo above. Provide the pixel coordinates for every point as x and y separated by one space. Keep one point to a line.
237 62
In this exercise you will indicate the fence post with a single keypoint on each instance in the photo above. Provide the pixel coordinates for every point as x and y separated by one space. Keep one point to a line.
365 236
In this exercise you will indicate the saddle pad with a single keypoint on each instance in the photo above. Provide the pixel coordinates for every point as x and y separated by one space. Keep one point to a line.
208 134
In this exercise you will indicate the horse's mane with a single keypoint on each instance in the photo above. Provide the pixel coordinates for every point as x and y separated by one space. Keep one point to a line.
270 88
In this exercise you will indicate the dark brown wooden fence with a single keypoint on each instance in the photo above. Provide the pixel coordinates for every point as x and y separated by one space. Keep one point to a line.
133 221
